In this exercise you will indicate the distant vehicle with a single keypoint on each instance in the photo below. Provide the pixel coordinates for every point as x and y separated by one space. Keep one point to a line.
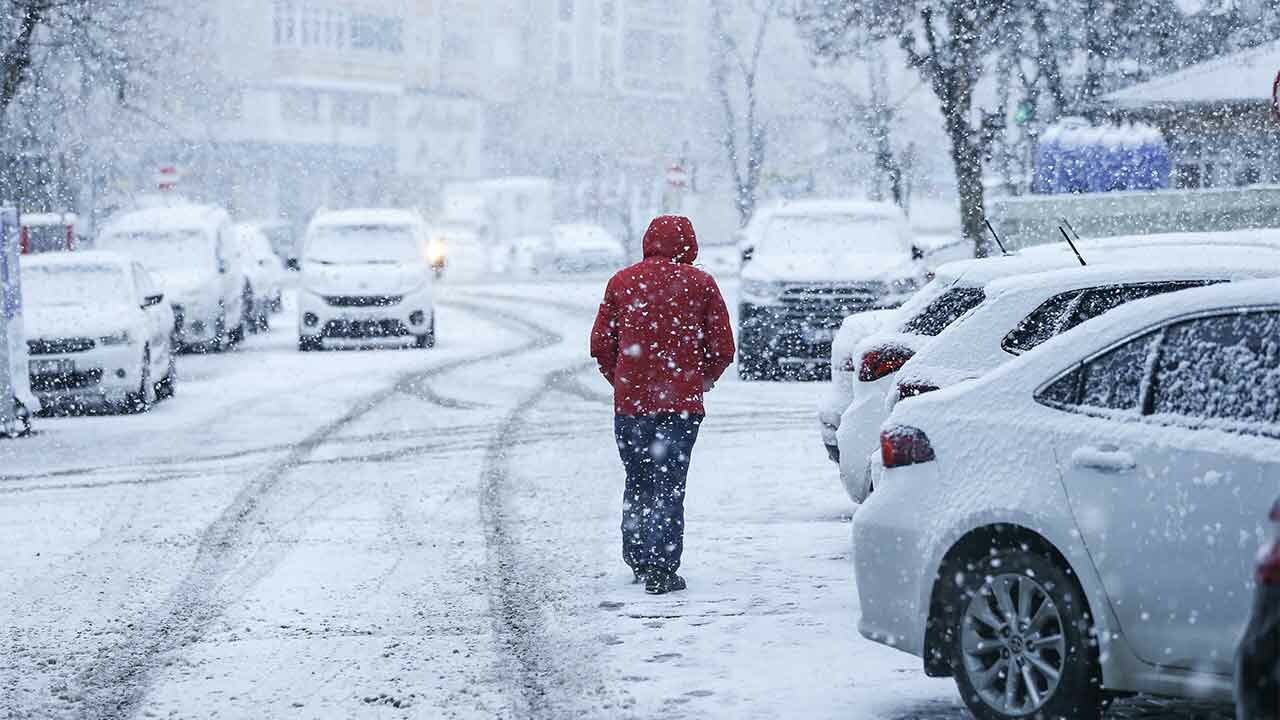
284 238
366 276
458 249
1083 521
98 332
191 251
1011 316
48 232
504 208
1258 657
579 247
264 273
808 266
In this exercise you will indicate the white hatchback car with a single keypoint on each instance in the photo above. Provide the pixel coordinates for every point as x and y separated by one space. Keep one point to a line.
98 332
366 277
1083 520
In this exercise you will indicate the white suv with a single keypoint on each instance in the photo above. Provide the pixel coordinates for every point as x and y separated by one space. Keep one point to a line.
1084 519
366 277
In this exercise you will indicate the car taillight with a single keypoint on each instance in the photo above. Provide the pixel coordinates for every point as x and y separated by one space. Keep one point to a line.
901 446
882 361
1269 564
906 390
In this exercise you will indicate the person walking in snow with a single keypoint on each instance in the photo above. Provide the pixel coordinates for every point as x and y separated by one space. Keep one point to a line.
662 339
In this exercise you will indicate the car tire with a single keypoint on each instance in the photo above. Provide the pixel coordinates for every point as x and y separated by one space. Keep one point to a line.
168 385
309 343
428 340
1051 632
22 426
142 400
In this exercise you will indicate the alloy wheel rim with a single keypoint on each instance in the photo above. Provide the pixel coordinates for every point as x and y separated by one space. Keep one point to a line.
1013 644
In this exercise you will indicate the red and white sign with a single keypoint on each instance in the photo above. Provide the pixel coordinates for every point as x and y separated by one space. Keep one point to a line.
677 176
167 178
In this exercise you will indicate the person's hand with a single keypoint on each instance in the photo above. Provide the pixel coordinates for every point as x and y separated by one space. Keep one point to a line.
708 385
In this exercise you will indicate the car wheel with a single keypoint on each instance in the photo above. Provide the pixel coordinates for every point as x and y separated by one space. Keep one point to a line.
1020 639
428 340
142 400
22 421
168 385
309 343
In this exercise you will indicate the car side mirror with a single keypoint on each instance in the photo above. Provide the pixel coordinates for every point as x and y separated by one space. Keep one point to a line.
152 300
291 263
917 253
747 254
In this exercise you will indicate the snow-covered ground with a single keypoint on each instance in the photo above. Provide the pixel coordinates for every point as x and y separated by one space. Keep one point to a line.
409 533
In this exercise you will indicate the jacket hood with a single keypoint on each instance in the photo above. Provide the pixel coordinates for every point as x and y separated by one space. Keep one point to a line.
671 236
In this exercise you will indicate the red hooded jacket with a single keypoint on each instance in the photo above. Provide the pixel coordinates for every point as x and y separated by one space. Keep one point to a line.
663 328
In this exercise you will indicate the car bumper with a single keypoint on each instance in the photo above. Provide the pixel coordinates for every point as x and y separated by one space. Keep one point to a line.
892 565
1258 660
858 436
197 323
411 316
103 374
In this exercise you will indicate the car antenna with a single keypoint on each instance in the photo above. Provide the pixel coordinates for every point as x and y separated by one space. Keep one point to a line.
996 236
1067 237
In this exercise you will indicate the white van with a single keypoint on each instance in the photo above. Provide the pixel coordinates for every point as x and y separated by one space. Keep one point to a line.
366 276
191 252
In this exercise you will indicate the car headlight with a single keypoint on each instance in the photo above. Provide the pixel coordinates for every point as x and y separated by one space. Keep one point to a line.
120 338
761 290
435 251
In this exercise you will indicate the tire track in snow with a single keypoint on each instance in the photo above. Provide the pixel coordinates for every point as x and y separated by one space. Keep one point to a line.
116 683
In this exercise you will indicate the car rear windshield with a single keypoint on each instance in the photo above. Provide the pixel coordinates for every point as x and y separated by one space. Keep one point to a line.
46 238
940 313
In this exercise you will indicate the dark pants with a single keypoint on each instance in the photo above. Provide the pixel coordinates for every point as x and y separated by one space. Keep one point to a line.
655 451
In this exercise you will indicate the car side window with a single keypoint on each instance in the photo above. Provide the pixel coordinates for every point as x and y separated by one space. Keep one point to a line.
1041 324
1099 300
1224 367
1114 380
943 311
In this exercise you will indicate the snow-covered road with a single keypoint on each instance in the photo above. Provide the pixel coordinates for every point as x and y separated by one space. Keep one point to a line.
430 534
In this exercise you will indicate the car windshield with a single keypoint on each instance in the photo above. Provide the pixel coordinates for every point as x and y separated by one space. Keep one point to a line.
828 235
364 245
164 250
73 285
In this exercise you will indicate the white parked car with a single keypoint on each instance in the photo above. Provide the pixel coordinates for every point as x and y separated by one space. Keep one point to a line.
98 332
191 252
972 349
580 247
366 276
1084 520
807 266
264 273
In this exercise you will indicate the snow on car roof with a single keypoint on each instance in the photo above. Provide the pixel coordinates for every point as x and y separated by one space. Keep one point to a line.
1191 263
78 257
180 217
366 216
42 219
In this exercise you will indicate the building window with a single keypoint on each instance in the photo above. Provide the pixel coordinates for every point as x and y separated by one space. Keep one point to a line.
564 59
608 12
566 11
352 110
377 33
285 20
300 106
312 24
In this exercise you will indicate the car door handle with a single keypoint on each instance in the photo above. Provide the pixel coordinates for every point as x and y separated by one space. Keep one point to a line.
1105 458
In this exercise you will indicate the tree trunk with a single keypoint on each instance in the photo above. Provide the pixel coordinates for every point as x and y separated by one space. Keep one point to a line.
16 59
967 158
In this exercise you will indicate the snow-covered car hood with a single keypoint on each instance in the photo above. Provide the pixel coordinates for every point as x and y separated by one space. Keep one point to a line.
183 285
365 279
850 267
67 321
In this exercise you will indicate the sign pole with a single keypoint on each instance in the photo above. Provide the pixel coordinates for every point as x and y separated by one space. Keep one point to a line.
16 399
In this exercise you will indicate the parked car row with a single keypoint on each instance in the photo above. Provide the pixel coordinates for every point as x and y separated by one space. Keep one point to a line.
1064 473
103 326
